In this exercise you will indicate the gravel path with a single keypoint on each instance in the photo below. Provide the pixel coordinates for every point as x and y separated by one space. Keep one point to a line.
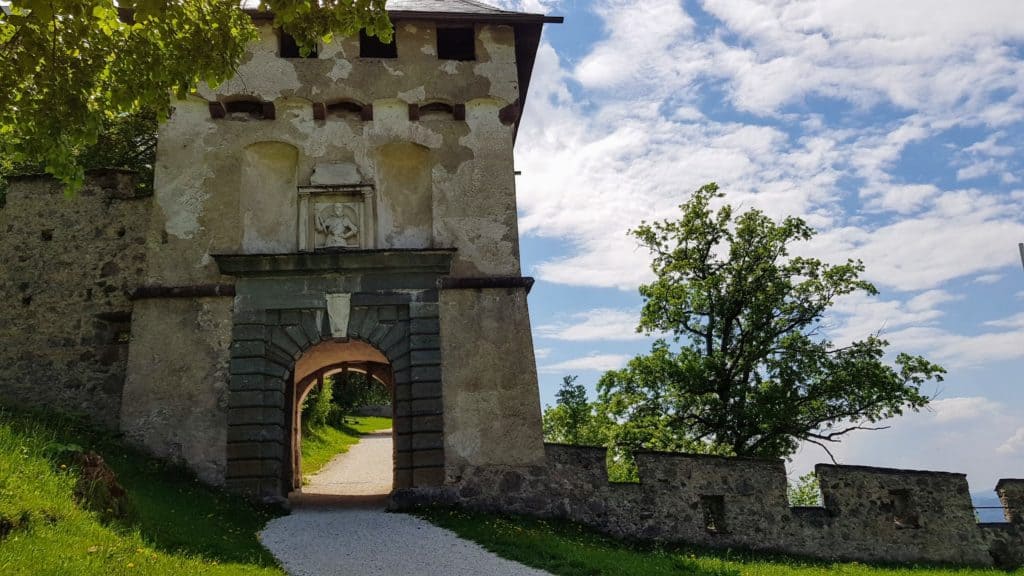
338 527
365 470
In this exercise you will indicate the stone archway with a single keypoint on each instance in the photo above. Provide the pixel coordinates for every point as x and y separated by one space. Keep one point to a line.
323 361
282 314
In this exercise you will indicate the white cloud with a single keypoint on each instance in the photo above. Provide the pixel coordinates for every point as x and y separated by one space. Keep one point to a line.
595 168
906 53
959 351
961 234
597 324
857 316
991 147
593 362
930 299
541 353
979 169
913 326
1014 444
965 408
988 278
1015 321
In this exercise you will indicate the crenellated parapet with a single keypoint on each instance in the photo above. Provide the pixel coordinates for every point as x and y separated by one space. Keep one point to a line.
1011 494
869 514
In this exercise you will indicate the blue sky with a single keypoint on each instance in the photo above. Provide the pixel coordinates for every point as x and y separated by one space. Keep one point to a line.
895 128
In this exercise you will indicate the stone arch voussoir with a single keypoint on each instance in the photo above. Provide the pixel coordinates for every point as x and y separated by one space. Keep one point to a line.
266 346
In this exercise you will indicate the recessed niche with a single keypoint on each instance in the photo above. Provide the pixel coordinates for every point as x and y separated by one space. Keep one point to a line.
713 509
904 513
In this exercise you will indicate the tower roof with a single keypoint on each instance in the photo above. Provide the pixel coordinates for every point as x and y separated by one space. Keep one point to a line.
466 9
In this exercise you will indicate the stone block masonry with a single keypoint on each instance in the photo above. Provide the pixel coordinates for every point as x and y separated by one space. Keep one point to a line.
869 514
69 266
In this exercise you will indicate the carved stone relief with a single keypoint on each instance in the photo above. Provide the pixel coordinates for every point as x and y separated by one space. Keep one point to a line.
336 218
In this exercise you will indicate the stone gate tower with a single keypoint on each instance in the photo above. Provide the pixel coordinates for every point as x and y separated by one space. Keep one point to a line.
351 209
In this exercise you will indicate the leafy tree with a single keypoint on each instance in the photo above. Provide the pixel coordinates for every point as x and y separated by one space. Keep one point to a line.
574 420
354 390
125 141
570 420
70 65
752 375
317 408
806 491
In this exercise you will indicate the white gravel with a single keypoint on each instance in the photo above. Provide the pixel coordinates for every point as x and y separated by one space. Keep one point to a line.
352 534
371 542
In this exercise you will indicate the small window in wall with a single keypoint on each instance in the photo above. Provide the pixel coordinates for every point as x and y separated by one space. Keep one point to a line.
904 514
437 111
345 110
713 508
456 44
372 47
247 109
288 47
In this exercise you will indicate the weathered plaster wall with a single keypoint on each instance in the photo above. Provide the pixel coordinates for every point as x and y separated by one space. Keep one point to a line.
266 209
870 514
443 183
67 268
175 398
491 404
404 185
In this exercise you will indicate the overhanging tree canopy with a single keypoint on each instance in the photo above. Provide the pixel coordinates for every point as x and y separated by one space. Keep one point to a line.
66 66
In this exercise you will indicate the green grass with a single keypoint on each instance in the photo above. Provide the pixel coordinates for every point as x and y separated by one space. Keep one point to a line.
567 549
176 525
323 443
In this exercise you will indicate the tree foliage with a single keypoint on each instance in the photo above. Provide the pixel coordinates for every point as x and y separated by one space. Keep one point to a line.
71 65
572 420
318 408
354 390
125 141
575 420
751 375
806 491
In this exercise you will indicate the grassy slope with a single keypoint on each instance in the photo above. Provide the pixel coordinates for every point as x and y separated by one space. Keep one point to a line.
566 549
178 526
323 443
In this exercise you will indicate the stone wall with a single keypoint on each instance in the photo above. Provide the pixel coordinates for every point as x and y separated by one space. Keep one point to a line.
870 514
184 342
491 405
69 266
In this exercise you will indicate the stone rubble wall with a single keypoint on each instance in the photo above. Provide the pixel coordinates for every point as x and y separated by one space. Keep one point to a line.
870 514
68 266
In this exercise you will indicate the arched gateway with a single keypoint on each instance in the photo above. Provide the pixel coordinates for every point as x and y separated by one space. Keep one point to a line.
293 321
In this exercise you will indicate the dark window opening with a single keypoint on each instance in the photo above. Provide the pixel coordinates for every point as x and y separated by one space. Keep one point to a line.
372 47
904 515
288 47
437 110
244 109
713 508
348 110
456 44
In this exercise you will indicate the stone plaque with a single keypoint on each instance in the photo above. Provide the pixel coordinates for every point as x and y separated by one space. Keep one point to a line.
336 218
